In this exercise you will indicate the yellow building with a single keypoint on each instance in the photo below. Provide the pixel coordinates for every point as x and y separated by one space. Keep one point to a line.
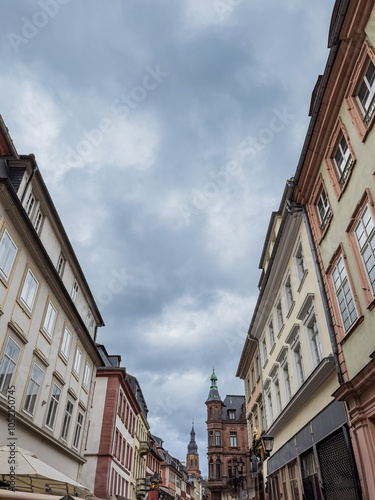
48 323
298 364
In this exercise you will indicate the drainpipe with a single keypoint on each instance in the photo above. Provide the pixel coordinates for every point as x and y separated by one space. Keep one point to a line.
292 208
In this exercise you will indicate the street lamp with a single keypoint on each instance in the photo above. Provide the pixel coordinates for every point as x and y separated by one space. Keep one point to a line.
267 443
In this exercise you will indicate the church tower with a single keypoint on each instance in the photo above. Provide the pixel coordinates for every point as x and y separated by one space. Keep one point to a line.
192 457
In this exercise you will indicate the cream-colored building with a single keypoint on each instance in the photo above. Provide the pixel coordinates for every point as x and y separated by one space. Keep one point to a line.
299 366
48 321
335 182
141 446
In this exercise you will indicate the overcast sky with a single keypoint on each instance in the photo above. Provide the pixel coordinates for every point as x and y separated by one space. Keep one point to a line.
165 131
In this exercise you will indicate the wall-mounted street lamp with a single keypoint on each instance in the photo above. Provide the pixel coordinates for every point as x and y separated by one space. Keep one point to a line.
267 443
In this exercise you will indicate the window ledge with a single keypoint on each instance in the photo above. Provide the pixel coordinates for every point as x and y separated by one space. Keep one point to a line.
281 331
42 358
291 309
272 348
18 331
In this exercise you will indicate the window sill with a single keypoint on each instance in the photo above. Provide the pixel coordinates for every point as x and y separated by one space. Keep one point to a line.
18 331
46 335
323 231
281 331
273 348
25 308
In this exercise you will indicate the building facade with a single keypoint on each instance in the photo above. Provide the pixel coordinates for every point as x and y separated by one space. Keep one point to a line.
299 369
110 445
48 323
334 184
228 452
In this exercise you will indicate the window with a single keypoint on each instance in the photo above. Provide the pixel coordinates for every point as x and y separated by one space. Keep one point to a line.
210 438
233 439
52 407
33 389
29 290
269 408
264 353
232 414
323 209
365 94
314 337
78 429
300 264
257 366
365 236
271 334
255 418
8 365
218 468
285 374
344 294
211 469
276 386
279 316
66 421
217 438
38 219
288 294
49 319
343 160
8 252
86 377
340 158
262 417
90 323
30 205
252 378
75 291
250 426
360 95
294 342
60 265
77 362
247 387
65 344
216 413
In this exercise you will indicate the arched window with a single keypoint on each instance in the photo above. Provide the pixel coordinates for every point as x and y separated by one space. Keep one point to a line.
218 468
211 469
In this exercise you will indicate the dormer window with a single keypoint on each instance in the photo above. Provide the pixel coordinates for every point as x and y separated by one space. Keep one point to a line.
232 414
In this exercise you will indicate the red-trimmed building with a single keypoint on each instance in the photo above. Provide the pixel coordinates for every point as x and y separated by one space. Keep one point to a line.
110 443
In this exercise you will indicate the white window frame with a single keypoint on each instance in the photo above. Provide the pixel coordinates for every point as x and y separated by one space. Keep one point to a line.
300 263
309 318
60 267
368 231
285 372
323 208
344 294
368 106
32 390
29 290
269 404
49 319
8 364
271 333
67 419
38 220
66 343
75 291
342 159
233 439
288 294
30 205
264 351
77 361
53 406
78 430
8 254
279 315
87 376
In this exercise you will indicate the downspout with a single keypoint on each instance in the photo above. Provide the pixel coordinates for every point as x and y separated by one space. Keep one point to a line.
292 208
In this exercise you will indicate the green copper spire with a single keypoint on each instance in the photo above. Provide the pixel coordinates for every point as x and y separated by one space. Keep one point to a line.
213 380
214 392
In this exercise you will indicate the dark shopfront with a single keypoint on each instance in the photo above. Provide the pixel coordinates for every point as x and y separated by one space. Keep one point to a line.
317 463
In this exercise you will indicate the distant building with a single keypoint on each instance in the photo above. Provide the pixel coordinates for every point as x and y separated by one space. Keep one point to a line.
192 457
110 445
49 320
228 450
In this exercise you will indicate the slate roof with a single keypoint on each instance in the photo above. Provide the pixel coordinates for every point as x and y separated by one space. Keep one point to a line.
233 403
